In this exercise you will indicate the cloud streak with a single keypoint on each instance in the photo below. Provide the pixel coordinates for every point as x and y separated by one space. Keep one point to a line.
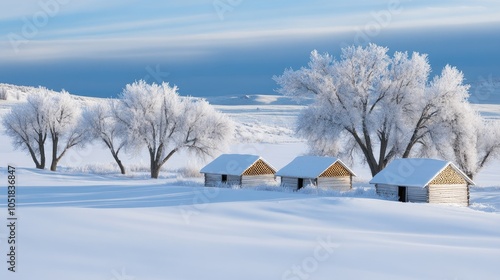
190 35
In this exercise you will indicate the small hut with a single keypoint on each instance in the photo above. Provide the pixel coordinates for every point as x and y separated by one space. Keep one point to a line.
238 169
323 172
423 180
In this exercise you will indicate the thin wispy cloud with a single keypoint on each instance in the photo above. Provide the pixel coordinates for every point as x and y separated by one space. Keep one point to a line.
185 32
65 37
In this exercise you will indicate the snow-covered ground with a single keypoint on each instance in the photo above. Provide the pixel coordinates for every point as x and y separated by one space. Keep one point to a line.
89 222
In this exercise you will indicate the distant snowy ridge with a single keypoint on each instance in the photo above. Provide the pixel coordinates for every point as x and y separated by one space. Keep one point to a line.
14 93
256 99
20 93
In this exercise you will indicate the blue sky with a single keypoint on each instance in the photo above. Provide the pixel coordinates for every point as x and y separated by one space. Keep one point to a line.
221 47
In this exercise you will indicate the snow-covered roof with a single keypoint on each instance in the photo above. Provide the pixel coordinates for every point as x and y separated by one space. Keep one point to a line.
414 172
232 164
309 167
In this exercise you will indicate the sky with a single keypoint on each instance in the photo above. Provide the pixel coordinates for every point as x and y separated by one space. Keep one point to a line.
228 47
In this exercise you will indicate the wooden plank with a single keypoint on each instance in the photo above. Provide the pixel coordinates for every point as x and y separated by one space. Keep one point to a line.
335 183
258 180
387 191
417 194
451 193
289 182
212 180
233 180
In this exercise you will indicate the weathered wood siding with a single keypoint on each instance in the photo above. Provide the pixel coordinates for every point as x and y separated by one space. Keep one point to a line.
233 180
387 190
212 180
417 194
335 183
257 180
292 182
289 182
452 193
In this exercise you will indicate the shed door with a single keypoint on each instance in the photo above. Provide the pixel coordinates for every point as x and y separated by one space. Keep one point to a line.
224 178
300 183
402 194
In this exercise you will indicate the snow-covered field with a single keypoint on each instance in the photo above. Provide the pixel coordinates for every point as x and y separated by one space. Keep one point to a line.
89 222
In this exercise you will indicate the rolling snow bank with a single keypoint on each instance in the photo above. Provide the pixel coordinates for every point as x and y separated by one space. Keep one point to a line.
84 226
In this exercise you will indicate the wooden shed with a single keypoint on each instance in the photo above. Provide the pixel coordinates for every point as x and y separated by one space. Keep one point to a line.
423 180
239 169
323 172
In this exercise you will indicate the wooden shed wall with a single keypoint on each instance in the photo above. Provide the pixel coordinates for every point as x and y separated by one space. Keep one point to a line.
233 180
417 194
387 190
451 193
212 180
257 180
289 182
335 183
293 182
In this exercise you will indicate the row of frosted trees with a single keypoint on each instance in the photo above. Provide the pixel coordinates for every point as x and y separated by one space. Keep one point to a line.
145 115
368 105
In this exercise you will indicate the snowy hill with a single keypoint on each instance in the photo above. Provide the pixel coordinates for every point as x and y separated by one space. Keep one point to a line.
14 93
103 227
256 100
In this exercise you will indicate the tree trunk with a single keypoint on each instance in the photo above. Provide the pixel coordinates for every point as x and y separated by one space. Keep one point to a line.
155 170
42 157
154 166
39 164
53 165
157 162
119 162
34 158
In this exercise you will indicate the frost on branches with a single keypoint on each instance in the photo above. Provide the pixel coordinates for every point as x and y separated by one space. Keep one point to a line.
45 114
26 125
100 121
156 117
384 107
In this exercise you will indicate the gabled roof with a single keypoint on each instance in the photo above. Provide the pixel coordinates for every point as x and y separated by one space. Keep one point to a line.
309 167
232 164
414 172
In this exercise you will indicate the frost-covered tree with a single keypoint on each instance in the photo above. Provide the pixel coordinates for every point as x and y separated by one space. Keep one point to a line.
488 144
156 117
101 124
461 135
63 124
367 103
45 115
27 125
379 106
